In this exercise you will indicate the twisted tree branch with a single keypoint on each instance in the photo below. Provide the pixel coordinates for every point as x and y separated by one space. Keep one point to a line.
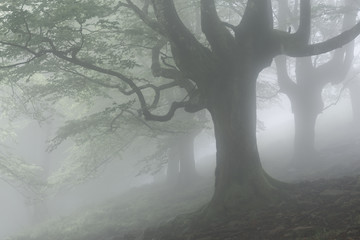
219 37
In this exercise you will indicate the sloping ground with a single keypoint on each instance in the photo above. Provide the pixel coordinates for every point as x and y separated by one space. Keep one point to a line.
334 161
317 209
326 206
125 216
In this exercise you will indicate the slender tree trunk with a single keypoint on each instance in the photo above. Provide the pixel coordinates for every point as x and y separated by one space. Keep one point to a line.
173 168
187 159
40 206
304 138
181 165
354 89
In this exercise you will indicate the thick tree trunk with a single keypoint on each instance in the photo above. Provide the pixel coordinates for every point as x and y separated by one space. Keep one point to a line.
307 105
304 138
240 180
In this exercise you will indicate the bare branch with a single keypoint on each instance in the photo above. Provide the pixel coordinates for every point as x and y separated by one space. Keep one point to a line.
336 69
169 73
189 54
302 35
20 63
219 37
166 117
114 119
25 48
337 99
140 120
290 47
156 89
28 32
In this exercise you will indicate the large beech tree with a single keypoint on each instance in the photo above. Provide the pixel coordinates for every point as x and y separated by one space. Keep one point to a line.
226 77
305 93
219 75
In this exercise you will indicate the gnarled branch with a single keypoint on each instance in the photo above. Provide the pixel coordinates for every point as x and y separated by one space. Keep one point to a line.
290 47
166 117
219 37
189 54
170 73
336 69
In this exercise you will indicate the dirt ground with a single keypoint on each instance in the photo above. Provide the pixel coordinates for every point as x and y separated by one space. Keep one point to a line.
324 207
321 210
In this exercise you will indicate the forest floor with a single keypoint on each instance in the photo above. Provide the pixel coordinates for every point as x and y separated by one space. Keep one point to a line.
316 210
323 203
324 207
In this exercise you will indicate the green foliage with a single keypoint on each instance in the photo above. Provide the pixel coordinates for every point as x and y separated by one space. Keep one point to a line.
42 42
24 177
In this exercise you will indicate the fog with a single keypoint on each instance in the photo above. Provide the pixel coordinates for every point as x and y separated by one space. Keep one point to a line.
274 142
110 181
334 127
75 136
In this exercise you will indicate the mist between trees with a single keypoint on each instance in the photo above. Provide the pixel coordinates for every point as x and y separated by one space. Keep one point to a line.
98 97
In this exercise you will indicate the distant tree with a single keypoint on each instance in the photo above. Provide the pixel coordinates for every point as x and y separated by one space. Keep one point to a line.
305 93
354 88
352 84
23 174
222 72
178 150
